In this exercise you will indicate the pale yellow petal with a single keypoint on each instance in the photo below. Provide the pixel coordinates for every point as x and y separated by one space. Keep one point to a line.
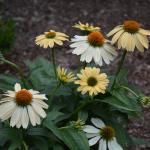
124 39
116 29
138 44
51 43
116 36
130 42
143 39
58 42
145 32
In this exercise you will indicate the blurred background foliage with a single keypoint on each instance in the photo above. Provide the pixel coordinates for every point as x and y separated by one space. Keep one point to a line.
7 35
7 32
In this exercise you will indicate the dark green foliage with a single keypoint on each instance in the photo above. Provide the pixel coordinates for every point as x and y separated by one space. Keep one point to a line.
7 35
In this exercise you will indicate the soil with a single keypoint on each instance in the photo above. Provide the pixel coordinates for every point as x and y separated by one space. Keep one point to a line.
33 17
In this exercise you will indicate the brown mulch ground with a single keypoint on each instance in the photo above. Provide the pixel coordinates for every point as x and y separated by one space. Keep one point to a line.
36 16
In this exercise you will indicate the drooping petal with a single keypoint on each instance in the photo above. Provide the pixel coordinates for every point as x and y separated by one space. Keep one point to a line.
32 115
41 103
102 145
145 32
113 145
7 110
143 39
38 109
138 44
91 135
116 36
15 116
25 118
97 122
94 140
90 129
40 96
116 29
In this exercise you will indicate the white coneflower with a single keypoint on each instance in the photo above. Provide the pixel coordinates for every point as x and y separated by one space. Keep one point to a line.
23 106
103 134
93 47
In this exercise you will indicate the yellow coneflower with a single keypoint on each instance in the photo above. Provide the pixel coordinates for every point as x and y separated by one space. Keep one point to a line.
130 35
92 81
64 76
86 27
48 39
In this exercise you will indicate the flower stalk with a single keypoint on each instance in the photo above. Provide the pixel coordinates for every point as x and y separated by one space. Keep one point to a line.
54 91
80 107
54 63
16 67
25 145
119 68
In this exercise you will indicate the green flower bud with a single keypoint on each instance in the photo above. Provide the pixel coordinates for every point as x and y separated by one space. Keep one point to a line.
79 124
145 101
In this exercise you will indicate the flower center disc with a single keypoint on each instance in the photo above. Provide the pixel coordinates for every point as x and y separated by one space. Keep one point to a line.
23 97
131 26
92 81
50 35
96 39
107 133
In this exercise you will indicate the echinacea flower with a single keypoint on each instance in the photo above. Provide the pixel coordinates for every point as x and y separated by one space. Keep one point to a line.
86 27
64 76
103 134
93 47
91 80
23 106
129 36
50 38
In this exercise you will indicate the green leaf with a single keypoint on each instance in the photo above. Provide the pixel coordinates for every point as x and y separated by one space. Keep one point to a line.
50 125
38 132
57 147
63 90
7 82
122 75
83 115
41 73
74 139
118 104
40 143
121 134
55 115
13 135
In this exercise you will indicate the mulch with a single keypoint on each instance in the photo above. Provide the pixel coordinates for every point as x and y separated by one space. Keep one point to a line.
33 17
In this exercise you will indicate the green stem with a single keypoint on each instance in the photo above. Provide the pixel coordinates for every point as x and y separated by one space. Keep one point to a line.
17 68
128 89
119 68
83 105
55 90
66 127
53 61
25 145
